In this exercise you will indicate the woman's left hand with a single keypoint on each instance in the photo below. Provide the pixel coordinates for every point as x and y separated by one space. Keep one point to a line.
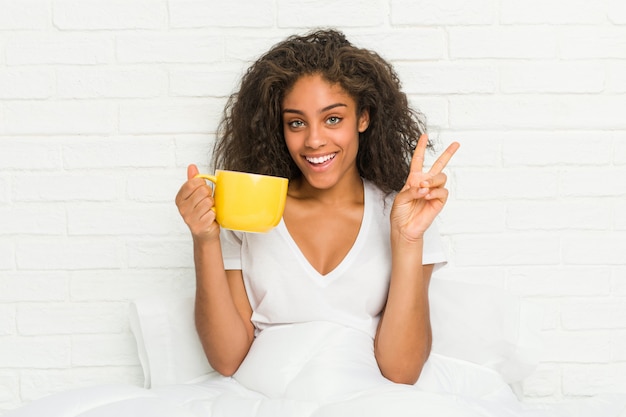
424 194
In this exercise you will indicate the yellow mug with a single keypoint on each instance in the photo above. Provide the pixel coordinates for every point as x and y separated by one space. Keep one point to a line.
247 202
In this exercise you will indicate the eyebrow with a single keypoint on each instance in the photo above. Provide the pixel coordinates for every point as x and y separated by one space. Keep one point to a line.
327 108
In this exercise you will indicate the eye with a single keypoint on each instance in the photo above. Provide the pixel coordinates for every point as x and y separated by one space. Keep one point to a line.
333 120
295 124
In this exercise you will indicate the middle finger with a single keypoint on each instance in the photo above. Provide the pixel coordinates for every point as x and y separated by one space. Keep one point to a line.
443 159
434 181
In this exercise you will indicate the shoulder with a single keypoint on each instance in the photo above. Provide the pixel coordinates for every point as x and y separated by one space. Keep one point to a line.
376 196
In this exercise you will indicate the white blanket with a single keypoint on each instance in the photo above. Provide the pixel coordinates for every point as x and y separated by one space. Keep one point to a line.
322 369
333 377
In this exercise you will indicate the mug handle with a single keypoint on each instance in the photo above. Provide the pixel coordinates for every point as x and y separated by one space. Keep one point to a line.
211 178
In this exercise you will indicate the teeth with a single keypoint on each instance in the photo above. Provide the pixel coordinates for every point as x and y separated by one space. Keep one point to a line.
320 159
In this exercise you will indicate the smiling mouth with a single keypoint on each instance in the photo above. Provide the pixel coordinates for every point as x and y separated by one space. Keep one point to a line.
318 160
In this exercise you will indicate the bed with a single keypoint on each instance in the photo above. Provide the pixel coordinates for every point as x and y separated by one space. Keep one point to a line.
485 342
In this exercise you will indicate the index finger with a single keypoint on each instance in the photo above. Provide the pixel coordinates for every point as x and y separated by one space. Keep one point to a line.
188 188
444 158
417 160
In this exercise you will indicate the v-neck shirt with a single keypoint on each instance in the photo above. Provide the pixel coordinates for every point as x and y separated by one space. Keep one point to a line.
283 287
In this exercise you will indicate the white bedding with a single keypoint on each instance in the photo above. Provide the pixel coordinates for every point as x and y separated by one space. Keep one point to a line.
485 342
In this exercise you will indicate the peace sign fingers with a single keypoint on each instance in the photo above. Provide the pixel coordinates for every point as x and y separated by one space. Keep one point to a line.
443 159
417 177
424 193
417 161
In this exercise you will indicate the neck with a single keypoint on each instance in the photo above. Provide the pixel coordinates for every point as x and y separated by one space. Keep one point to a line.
348 191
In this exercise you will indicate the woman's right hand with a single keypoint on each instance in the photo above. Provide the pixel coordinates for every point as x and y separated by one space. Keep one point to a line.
195 202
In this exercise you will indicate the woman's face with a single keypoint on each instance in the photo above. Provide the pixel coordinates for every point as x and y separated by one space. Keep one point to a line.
322 130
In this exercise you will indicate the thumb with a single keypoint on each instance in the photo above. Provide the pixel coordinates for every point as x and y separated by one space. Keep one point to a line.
192 171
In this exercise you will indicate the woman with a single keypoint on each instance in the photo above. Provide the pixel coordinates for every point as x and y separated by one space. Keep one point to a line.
353 246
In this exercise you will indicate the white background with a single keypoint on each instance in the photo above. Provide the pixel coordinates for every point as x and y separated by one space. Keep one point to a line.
104 103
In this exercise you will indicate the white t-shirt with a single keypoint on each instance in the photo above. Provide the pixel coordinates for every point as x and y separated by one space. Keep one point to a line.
283 287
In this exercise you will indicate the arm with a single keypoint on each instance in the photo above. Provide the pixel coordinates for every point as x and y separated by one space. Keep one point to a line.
222 310
403 338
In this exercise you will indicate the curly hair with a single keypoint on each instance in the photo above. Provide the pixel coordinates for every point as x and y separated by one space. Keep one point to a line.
250 135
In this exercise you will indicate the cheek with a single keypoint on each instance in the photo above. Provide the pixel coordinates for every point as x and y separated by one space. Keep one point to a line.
292 144
289 140
351 138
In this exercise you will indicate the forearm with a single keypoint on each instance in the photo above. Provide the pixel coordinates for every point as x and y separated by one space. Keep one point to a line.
404 335
225 336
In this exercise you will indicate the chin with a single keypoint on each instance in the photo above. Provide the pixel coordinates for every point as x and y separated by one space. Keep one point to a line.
320 182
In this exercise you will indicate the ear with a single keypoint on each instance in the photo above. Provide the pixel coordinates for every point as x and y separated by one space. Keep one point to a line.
364 121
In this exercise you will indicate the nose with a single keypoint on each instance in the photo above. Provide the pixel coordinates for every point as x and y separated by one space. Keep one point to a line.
315 138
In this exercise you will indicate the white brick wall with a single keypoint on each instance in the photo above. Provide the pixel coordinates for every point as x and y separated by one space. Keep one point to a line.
105 102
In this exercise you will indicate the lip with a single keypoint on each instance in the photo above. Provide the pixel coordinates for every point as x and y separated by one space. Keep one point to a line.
320 166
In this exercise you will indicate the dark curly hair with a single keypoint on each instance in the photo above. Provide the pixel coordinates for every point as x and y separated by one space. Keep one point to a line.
250 136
